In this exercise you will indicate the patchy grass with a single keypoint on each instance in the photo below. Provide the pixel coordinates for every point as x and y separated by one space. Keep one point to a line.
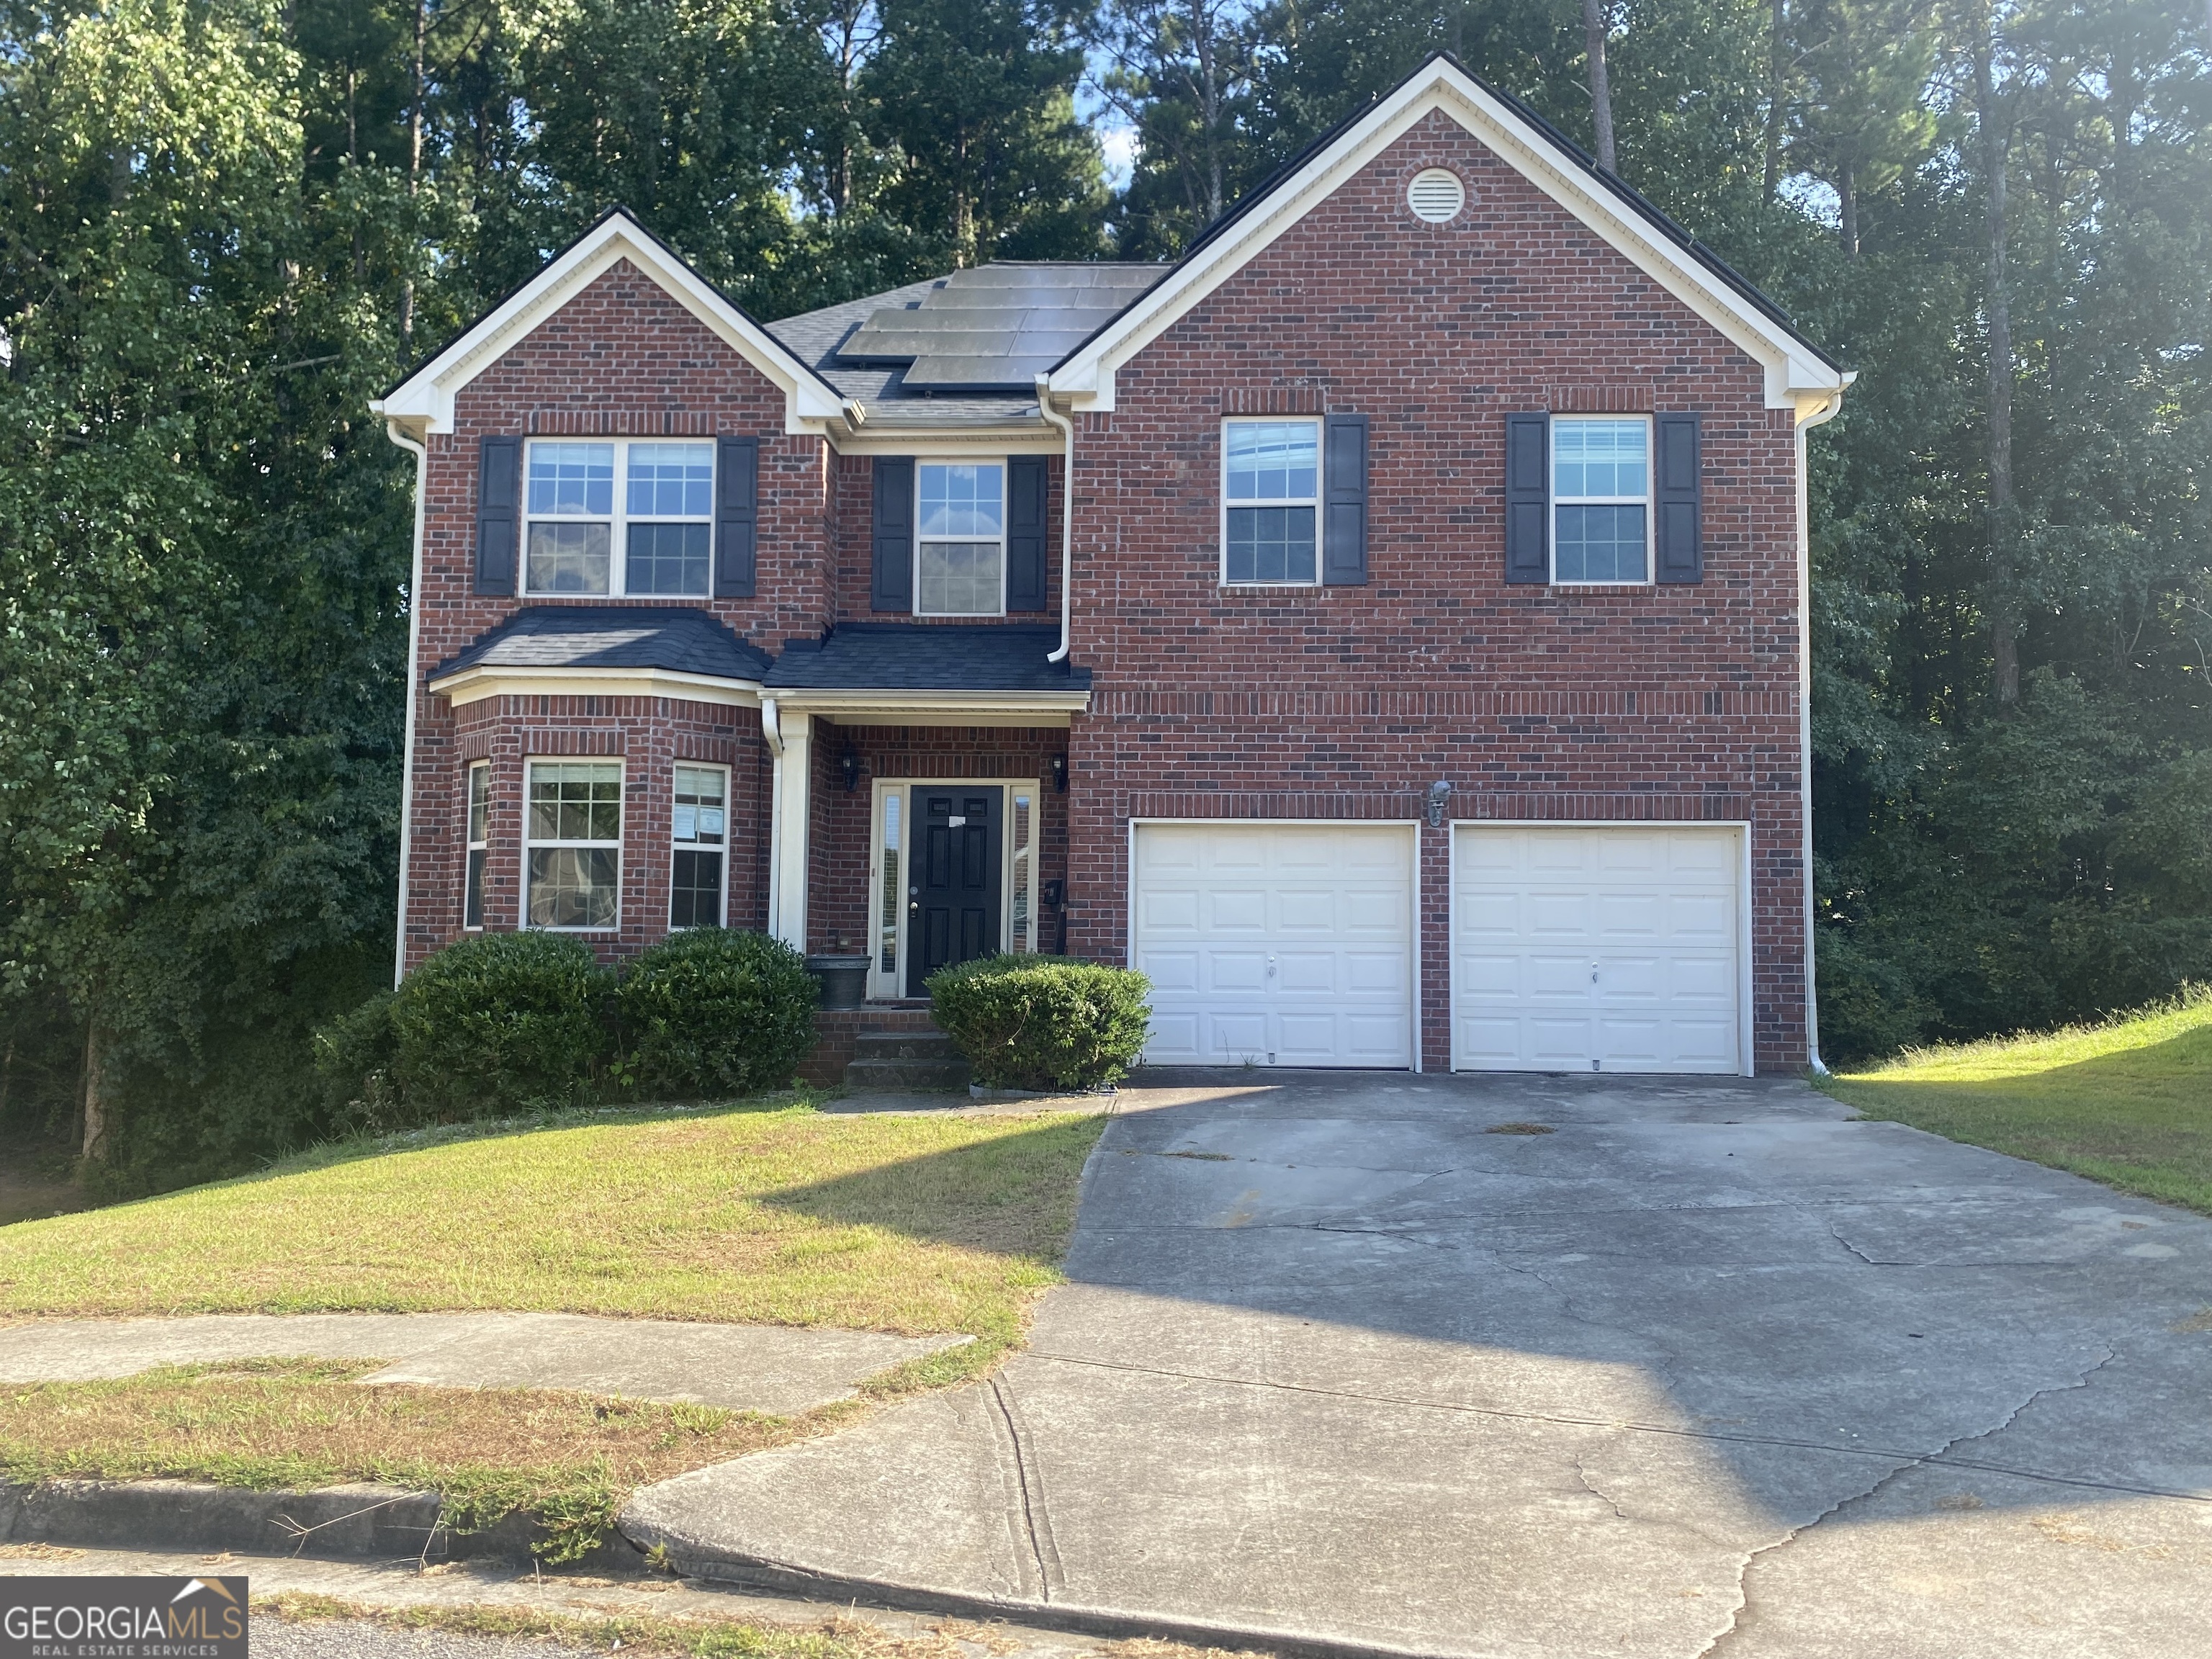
2128 1102
840 1636
269 1424
916 1224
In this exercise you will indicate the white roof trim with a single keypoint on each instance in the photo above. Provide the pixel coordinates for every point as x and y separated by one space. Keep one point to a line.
425 400
1087 377
475 684
953 708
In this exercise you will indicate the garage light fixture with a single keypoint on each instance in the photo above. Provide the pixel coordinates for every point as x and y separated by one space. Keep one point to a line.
1439 793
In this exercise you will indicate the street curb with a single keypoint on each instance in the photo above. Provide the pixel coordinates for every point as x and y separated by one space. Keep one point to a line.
362 1520
686 1559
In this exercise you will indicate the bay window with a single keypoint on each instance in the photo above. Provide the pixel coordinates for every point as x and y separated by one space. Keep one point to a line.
700 834
573 844
479 843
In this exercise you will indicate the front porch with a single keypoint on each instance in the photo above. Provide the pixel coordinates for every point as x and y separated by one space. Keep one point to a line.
916 822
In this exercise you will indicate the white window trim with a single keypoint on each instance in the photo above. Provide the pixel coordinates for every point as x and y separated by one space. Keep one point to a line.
1005 511
1554 501
1320 464
530 844
619 522
722 915
892 986
470 845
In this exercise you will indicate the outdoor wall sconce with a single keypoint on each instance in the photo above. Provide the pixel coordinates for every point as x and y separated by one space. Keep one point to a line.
851 763
1060 774
1439 793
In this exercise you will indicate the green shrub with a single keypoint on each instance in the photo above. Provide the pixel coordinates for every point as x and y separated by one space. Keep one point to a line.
500 1023
716 1011
1042 1022
353 1059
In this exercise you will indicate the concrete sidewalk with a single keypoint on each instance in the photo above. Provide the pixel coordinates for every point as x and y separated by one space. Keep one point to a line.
764 1368
1707 1370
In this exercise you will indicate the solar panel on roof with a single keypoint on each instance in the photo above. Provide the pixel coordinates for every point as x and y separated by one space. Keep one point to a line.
997 327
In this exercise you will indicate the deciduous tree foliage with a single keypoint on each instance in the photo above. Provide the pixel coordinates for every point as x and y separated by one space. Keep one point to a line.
225 225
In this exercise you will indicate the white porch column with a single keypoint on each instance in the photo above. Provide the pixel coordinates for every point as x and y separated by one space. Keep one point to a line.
790 735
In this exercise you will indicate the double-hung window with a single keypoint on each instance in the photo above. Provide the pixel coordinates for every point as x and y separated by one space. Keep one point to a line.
573 844
700 833
619 518
960 553
1601 499
1270 503
479 844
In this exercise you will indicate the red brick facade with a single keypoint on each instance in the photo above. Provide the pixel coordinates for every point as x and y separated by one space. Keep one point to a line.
1615 702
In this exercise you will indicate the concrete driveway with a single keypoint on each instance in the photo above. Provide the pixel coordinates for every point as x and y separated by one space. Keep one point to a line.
1706 1370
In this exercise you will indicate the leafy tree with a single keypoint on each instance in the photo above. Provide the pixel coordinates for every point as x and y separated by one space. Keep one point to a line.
976 100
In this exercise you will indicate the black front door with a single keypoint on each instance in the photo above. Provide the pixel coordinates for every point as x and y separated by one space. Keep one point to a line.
952 903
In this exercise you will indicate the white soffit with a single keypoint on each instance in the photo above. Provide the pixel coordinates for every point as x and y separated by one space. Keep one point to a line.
1791 368
482 681
425 400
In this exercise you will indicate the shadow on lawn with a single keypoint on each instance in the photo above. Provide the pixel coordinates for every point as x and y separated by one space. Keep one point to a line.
1014 1196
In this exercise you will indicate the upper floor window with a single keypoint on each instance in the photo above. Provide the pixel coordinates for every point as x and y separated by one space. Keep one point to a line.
660 520
1601 498
1270 501
960 553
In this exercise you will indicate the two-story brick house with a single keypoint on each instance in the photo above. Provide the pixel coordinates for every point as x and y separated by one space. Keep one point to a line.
1385 627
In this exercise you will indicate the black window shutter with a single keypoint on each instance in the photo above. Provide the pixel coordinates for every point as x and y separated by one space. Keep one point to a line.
1680 539
1344 501
737 516
1026 493
499 494
892 587
1527 498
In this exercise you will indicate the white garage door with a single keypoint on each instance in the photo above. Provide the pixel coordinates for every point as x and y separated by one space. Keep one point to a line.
1276 945
1613 949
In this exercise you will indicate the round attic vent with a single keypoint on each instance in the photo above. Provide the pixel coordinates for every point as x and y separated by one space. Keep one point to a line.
1436 195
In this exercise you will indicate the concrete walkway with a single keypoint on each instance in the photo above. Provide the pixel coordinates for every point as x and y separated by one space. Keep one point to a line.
1708 1369
764 1368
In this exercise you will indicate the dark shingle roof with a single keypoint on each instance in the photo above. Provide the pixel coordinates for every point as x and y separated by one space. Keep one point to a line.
927 657
676 638
981 336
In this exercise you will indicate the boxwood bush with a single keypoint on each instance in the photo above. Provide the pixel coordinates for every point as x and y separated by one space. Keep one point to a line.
1042 1022
717 1011
500 1023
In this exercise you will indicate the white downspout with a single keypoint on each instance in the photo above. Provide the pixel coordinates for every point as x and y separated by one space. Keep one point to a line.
1805 425
1067 513
772 734
414 691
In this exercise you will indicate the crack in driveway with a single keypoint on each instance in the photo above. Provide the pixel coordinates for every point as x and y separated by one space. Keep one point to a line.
1939 1458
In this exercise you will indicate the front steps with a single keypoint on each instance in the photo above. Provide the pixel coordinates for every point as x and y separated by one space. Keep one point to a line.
908 1059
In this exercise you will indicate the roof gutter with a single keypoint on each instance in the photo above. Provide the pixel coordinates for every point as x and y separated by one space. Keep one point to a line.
392 430
1067 512
1820 417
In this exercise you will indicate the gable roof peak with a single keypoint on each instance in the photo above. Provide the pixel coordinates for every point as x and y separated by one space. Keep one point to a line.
1796 369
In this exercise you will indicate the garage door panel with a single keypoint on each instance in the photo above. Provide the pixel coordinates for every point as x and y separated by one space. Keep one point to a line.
1168 910
1303 939
1235 970
1170 970
1556 916
1652 911
1313 972
1702 979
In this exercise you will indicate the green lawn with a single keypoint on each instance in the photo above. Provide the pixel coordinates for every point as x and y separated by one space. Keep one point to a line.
924 1224
794 1217
2128 1102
